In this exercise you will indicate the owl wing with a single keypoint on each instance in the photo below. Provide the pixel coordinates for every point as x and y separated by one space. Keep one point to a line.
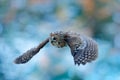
78 53
84 52
25 57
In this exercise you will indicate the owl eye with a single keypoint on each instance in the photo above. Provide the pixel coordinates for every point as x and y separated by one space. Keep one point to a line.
58 42
54 38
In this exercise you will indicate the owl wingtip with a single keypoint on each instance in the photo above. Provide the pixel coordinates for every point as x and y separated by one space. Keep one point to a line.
16 61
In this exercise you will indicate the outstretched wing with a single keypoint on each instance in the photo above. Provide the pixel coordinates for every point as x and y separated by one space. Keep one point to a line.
83 51
25 57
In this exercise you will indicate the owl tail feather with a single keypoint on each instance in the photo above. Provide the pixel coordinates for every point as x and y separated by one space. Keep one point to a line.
30 53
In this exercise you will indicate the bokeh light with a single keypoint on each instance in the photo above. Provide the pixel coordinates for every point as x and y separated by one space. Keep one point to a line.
26 23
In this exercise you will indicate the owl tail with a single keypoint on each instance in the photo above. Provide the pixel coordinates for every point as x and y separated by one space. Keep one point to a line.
30 53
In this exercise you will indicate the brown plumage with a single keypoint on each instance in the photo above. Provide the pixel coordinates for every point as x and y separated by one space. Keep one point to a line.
83 49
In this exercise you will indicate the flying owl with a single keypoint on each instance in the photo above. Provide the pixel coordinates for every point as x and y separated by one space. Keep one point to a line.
83 49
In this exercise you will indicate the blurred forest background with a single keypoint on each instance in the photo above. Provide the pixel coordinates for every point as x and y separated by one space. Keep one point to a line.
26 23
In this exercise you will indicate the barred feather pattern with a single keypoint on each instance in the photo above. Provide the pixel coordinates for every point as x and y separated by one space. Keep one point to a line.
26 56
83 49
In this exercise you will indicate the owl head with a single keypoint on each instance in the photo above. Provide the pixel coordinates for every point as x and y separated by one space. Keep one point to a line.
58 39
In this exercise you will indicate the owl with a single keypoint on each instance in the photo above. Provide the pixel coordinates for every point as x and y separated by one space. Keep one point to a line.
83 49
